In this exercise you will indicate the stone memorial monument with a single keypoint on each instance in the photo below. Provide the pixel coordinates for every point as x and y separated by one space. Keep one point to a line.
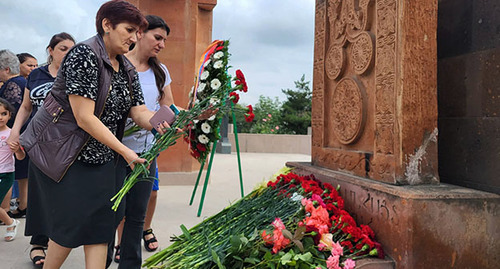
190 22
375 134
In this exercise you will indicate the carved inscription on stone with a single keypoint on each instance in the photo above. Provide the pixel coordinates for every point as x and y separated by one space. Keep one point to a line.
369 207
385 77
348 110
317 116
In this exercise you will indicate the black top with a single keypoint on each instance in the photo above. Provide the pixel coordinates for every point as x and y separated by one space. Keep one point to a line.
39 83
80 70
12 91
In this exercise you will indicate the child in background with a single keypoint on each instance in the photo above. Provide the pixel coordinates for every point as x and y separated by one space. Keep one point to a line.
7 153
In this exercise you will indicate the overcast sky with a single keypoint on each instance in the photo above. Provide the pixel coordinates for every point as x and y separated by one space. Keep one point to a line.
271 40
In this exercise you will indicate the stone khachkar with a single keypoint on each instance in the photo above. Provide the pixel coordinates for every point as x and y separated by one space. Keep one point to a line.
374 123
374 94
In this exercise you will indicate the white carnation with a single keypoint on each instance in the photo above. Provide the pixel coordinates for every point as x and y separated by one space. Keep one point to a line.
203 139
214 101
206 63
204 75
218 65
211 118
215 84
218 55
205 127
201 87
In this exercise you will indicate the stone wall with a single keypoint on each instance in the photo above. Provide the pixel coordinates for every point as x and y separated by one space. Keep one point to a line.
469 93
272 143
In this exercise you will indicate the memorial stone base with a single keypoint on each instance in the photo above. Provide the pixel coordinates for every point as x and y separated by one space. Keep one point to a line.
423 226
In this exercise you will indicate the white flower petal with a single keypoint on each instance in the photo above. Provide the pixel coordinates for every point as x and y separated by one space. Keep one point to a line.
218 64
201 87
214 101
205 127
211 118
206 63
218 55
215 84
203 139
204 75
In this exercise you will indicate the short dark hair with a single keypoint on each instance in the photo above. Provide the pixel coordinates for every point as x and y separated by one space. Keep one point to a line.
24 56
117 11
56 39
8 106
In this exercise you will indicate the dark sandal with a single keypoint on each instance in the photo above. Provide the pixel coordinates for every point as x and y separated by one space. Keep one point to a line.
117 254
149 241
38 258
19 214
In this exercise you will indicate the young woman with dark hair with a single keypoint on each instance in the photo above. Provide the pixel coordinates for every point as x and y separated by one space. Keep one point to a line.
28 63
77 210
155 83
39 83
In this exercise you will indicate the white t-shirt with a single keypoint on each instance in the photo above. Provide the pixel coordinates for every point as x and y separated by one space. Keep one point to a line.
142 140
6 155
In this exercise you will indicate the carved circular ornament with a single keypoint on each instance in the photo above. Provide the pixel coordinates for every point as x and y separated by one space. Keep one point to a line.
335 62
348 110
362 53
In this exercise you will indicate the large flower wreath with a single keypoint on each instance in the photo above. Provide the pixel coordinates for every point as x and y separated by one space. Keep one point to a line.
213 77
212 90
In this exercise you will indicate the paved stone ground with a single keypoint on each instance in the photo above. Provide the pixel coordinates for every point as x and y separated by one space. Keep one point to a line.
173 204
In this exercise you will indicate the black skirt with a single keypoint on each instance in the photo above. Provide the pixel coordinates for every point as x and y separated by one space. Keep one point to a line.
77 210
22 168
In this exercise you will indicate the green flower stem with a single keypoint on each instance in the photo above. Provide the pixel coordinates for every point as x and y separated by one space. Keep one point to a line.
197 182
235 131
207 176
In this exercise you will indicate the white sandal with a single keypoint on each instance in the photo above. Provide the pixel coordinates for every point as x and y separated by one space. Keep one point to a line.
10 235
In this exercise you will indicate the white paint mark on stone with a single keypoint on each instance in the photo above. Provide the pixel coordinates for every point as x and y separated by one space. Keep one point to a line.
413 168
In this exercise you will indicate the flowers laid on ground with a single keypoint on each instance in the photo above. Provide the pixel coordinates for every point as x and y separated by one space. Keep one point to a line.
212 78
200 124
292 222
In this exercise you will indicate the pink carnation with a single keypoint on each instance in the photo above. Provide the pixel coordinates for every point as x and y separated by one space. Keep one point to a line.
349 264
337 249
278 224
333 262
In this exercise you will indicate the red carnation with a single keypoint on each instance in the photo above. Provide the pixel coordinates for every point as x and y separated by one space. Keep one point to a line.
234 97
195 154
201 147
239 75
240 80
249 117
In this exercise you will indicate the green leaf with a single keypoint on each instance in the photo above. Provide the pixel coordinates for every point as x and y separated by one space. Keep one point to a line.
185 232
216 259
286 258
237 258
268 256
252 260
235 242
307 257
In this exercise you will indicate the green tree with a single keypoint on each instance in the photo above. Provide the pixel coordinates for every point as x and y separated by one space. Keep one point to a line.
296 110
267 116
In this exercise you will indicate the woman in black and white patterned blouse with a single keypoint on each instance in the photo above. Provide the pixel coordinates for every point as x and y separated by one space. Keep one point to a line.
77 210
